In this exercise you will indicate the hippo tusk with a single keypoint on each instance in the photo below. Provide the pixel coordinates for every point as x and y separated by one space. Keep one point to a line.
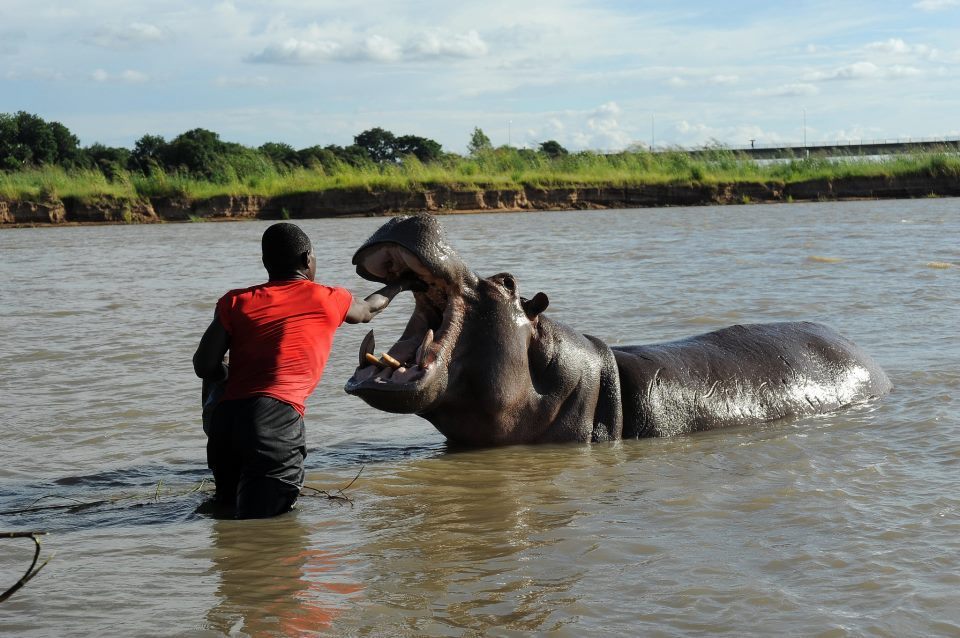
421 356
367 346
369 357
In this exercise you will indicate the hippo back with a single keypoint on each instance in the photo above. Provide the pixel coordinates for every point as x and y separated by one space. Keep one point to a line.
741 375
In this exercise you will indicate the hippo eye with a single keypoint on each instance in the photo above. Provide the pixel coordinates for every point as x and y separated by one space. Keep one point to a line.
509 284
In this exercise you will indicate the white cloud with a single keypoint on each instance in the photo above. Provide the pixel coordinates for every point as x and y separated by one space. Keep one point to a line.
129 36
797 89
602 129
897 47
464 45
893 45
555 124
697 134
610 109
319 45
936 5
855 134
242 81
717 79
855 71
722 79
377 48
595 129
902 71
685 127
124 77
294 51
864 71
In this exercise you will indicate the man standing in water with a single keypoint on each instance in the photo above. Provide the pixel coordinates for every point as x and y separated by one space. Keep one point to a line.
279 336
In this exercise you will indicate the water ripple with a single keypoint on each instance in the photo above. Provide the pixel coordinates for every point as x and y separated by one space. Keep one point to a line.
839 525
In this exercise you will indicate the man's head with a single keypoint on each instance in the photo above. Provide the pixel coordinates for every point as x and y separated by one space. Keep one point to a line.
287 253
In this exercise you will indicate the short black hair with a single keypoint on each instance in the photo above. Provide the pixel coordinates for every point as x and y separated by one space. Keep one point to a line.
282 244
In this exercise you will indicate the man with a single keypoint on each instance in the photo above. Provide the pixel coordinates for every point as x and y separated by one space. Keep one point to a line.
279 336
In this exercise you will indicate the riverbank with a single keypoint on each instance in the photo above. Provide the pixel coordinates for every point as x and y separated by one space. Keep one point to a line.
347 202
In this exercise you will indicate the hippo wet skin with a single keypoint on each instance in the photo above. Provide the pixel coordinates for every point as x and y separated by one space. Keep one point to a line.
486 367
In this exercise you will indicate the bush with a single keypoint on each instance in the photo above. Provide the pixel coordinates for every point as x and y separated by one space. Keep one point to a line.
552 148
282 155
147 155
27 140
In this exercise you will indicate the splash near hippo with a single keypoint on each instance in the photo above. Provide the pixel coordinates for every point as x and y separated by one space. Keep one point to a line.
487 367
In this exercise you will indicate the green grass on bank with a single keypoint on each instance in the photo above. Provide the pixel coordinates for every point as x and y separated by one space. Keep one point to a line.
491 170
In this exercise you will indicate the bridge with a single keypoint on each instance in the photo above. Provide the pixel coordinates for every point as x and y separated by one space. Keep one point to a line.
841 148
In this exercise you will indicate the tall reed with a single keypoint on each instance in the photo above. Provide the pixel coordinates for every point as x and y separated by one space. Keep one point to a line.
501 168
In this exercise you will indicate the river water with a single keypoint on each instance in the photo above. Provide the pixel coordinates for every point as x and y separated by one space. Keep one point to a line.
845 525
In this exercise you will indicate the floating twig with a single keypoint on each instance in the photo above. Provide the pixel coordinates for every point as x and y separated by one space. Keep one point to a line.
33 570
78 505
338 495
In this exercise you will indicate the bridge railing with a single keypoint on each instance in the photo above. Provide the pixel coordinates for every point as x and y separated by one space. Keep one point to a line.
841 143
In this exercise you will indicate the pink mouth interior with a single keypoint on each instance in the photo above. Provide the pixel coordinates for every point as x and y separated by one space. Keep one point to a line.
431 331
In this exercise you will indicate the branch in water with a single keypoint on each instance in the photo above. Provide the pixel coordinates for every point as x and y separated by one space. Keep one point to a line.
33 570
78 505
338 495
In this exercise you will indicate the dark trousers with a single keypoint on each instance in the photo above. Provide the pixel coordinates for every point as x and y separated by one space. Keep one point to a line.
256 447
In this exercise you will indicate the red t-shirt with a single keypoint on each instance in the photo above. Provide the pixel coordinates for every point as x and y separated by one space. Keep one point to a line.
280 337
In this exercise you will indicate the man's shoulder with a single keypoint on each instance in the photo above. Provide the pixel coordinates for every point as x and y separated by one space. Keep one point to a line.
337 300
287 293
238 292
328 290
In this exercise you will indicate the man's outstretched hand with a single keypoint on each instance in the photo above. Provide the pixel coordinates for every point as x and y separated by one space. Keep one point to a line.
364 311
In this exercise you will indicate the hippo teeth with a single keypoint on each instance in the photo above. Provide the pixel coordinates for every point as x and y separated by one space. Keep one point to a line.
367 346
390 361
423 350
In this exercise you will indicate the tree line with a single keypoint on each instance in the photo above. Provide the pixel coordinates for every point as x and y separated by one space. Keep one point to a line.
27 140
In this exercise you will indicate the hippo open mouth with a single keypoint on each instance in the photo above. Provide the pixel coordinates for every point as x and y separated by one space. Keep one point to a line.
413 372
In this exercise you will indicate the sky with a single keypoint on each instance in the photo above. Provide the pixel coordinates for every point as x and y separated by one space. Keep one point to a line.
600 75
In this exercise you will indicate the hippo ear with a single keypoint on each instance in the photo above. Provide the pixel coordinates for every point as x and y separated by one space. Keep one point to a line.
533 307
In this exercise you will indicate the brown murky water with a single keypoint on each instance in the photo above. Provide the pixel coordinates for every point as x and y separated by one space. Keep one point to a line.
832 526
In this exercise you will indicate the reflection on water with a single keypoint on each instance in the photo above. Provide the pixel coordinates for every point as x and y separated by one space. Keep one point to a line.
840 525
471 529
273 581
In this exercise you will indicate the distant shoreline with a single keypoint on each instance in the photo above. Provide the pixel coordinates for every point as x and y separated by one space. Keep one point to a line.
361 202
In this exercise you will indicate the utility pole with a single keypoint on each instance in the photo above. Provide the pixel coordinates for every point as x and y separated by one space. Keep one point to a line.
509 132
804 128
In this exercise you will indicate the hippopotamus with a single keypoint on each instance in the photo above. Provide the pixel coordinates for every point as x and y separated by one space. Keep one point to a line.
487 367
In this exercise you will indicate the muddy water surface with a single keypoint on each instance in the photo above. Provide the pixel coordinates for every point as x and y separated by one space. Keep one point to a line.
833 526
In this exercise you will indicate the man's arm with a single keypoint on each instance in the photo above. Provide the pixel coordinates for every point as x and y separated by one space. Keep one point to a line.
364 311
208 359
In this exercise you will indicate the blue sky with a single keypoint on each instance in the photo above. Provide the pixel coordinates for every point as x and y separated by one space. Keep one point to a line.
596 74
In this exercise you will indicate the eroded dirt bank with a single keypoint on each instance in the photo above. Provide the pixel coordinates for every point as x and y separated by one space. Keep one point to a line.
345 203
